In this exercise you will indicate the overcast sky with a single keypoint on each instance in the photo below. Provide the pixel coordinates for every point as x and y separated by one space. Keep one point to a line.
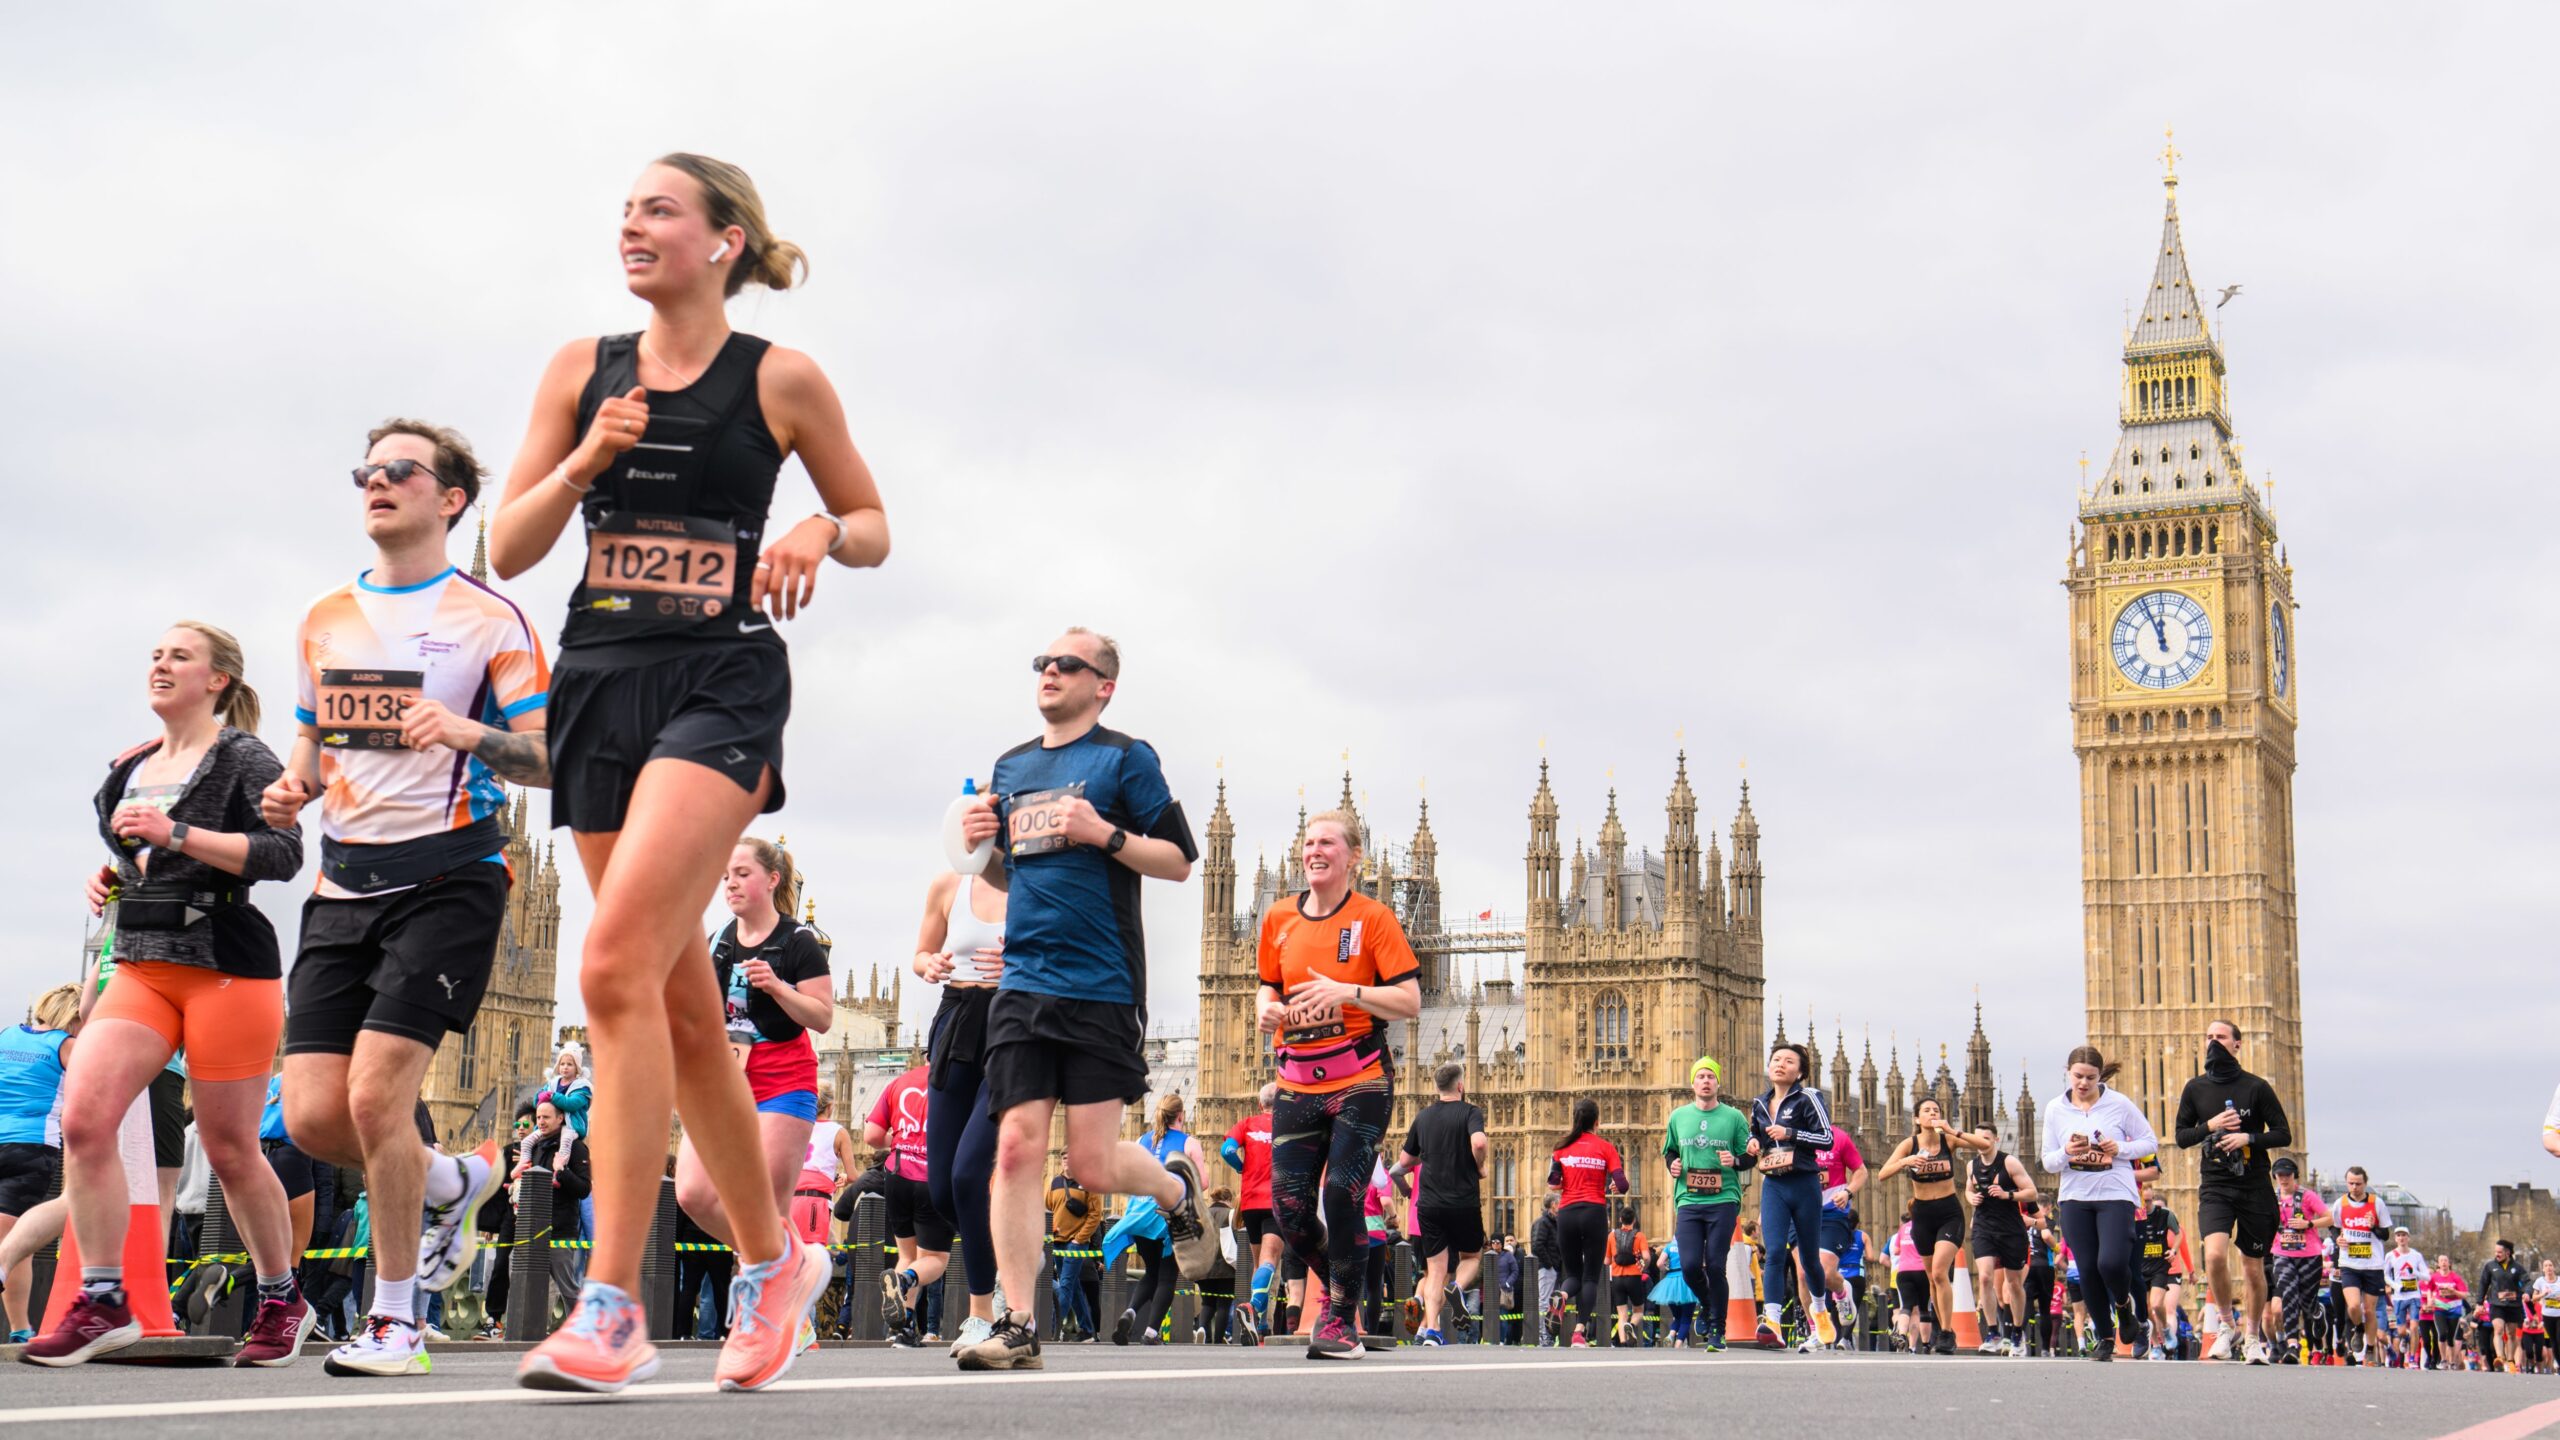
1422 383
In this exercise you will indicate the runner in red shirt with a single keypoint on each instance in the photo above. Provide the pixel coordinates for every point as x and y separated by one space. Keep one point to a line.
898 1128
1586 1171
1248 1151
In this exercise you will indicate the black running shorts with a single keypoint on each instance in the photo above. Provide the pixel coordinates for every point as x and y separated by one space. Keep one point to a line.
2248 1216
912 1216
1257 1223
1938 1221
1077 1052
26 1176
2004 1241
722 707
294 1169
413 963
1458 1229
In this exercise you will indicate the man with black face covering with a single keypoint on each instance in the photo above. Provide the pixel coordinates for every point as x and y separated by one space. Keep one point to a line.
2238 1119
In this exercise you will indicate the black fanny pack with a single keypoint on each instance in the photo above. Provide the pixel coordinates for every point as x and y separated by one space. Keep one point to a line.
171 907
367 868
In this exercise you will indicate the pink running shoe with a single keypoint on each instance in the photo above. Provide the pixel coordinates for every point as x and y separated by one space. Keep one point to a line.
766 1305
276 1334
90 1328
603 1347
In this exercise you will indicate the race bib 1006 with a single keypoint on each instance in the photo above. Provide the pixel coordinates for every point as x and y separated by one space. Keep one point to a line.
1036 824
362 709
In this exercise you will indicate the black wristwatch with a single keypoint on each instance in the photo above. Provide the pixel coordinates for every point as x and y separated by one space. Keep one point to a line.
1119 837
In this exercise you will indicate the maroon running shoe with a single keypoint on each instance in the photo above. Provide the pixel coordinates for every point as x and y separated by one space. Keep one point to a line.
276 1336
90 1328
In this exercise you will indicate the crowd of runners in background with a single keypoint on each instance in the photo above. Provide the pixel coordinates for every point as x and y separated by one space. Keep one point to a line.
421 692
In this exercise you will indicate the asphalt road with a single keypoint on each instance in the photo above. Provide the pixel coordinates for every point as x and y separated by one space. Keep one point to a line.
1411 1393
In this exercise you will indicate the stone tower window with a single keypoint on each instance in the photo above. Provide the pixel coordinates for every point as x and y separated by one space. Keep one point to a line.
467 1076
2113 726
1611 1028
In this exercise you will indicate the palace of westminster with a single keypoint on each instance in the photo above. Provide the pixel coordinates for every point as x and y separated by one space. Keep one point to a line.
2180 624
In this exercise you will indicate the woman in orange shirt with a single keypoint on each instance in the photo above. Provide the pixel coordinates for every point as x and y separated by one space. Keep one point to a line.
1334 962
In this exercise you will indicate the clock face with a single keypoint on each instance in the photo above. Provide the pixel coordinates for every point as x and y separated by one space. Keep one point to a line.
2162 640
2279 649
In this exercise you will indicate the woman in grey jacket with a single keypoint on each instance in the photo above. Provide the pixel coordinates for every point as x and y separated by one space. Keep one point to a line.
196 965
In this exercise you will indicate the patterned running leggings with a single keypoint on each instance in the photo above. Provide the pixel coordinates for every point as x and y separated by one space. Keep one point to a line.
1334 1136
2298 1287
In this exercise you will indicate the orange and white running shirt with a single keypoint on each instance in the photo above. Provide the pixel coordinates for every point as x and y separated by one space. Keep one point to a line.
368 653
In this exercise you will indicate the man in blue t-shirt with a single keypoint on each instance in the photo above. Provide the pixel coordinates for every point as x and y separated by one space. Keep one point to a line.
1084 814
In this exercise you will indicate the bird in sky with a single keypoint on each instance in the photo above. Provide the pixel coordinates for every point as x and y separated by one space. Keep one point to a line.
2227 292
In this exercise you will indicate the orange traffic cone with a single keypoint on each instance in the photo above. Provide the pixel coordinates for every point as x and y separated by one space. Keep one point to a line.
146 1276
1968 1320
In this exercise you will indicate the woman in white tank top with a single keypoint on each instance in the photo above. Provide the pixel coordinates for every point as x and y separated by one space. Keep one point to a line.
961 948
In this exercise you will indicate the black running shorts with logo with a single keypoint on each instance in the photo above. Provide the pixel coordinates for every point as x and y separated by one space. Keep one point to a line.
912 1216
168 1120
1076 1052
2155 1274
2247 1216
412 963
1455 1228
1936 1222
720 706
2005 1241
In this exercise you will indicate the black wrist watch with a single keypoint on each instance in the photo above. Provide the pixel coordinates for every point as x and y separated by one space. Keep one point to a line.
1119 837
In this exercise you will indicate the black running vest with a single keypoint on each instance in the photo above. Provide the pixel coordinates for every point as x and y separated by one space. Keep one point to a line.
675 523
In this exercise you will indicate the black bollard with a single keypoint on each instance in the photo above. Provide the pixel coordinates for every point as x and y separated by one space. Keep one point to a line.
1400 1289
658 1264
869 1234
1489 1297
230 1317
529 1264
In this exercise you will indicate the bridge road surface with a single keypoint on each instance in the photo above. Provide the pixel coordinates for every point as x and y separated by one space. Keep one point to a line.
1212 1391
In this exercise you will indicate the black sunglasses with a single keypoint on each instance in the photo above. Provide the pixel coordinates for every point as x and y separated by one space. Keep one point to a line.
1067 665
398 470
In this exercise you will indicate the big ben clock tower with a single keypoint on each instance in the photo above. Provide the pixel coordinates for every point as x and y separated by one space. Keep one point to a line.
2183 682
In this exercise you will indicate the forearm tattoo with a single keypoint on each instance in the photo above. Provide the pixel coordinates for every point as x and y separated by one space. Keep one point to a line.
524 759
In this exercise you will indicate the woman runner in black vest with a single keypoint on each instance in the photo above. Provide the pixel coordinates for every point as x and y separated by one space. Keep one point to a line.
667 709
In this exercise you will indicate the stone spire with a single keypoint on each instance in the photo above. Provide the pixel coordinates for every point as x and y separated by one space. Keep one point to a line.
1613 867
1746 866
2176 445
1945 1088
1981 1089
1422 909
1546 883
2028 1136
1581 873
1896 1098
1680 898
1294 872
1218 876
1867 1080
1711 885
480 552
1841 1095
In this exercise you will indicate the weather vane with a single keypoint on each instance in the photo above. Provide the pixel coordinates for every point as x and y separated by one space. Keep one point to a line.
2169 153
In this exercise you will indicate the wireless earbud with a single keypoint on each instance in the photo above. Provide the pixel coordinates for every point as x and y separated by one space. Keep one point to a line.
722 252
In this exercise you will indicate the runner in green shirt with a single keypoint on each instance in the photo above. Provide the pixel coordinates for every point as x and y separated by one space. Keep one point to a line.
1702 1146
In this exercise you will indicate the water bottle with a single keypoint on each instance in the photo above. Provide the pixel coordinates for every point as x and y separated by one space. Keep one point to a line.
965 858
2235 1163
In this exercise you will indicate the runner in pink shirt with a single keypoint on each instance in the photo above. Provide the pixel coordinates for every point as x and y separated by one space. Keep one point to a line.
1844 1174
2300 1216
1910 1285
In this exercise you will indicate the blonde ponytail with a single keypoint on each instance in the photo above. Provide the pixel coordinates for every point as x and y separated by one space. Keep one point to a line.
776 862
237 704
730 198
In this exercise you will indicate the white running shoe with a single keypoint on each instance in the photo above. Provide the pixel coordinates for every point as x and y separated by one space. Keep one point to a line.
450 1238
2258 1352
384 1346
2222 1345
973 1331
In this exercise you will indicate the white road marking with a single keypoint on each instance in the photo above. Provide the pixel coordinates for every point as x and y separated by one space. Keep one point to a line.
369 1398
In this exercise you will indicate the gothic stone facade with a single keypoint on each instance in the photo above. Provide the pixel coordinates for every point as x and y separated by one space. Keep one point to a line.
476 1076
